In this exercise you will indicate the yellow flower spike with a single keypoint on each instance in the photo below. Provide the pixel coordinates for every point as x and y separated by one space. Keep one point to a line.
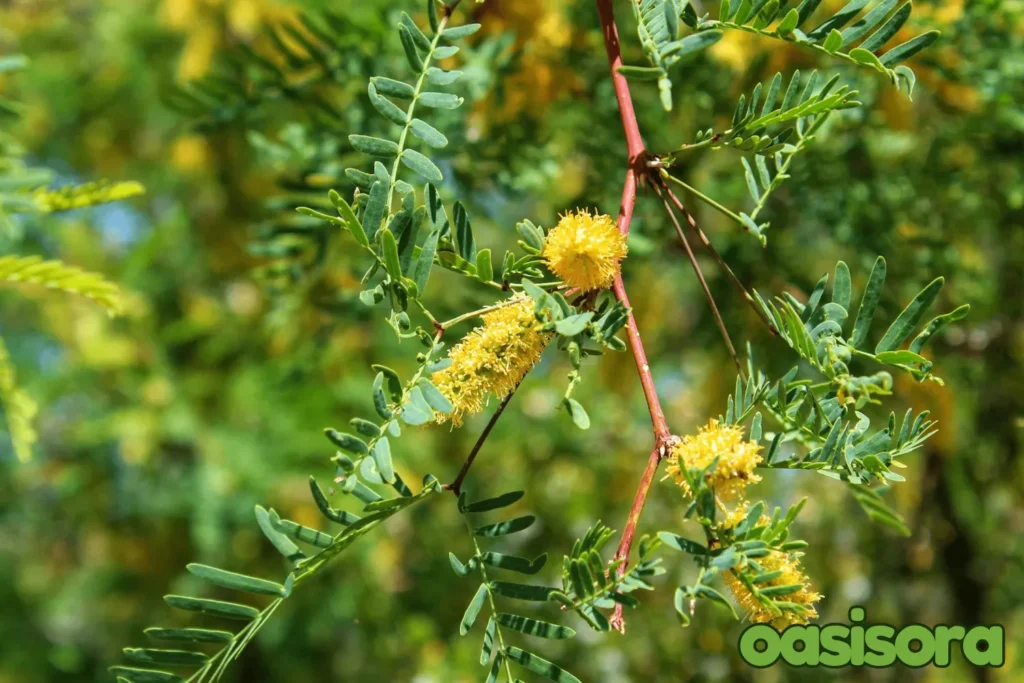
792 574
737 459
585 251
493 358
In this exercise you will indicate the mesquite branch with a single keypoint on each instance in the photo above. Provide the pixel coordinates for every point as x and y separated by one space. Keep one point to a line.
636 172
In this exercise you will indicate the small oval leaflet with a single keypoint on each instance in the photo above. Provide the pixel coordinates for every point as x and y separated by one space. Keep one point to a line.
496 503
521 591
284 545
189 635
434 397
365 427
380 401
506 527
240 582
439 100
165 657
347 442
416 410
577 413
540 666
484 268
382 458
436 76
457 32
378 147
386 107
445 52
393 88
680 543
394 382
534 627
143 675
469 618
428 134
216 608
514 563
422 165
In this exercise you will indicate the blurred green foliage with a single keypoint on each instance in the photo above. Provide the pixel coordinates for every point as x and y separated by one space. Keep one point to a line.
160 431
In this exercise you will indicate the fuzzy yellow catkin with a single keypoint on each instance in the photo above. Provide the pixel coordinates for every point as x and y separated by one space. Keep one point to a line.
492 359
737 460
792 574
585 251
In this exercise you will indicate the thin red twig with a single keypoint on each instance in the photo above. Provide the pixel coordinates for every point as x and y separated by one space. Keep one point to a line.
704 284
456 486
636 152
718 257
634 143
636 171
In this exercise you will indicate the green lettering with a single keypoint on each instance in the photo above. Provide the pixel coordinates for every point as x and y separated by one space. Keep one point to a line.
882 652
944 637
989 654
835 645
908 635
857 645
808 635
762 633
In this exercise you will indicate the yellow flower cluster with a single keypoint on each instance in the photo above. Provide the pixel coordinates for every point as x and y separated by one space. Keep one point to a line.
792 573
737 459
492 359
585 251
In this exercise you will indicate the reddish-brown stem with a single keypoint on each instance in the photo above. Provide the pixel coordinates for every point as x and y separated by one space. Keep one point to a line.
634 143
661 430
456 486
646 481
635 170
635 151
